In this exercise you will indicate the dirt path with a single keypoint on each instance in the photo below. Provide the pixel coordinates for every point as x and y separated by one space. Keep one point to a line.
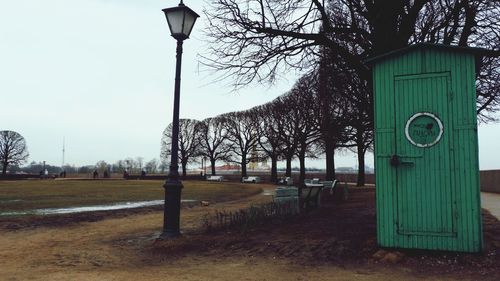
120 249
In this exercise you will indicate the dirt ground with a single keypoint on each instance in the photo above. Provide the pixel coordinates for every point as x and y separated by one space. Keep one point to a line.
335 242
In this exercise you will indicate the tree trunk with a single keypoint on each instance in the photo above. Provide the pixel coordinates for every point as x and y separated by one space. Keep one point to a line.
326 130
184 164
330 162
302 161
243 167
288 172
274 169
212 164
361 158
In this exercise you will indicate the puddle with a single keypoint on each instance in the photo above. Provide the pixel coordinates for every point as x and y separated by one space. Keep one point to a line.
11 201
72 210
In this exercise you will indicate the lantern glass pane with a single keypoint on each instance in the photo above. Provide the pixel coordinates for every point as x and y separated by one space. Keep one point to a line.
175 21
189 20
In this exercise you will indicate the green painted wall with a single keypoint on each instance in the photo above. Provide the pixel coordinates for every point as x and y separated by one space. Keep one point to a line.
431 200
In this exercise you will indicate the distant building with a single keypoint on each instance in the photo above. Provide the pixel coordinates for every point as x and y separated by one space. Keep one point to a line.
346 170
257 163
228 167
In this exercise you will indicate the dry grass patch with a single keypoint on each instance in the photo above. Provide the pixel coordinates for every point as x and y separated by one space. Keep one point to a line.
37 194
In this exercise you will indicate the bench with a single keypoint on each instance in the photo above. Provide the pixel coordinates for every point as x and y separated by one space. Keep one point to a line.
250 179
215 178
334 189
331 185
312 181
288 195
310 195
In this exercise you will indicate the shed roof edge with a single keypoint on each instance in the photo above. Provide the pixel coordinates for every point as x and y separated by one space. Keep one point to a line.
474 50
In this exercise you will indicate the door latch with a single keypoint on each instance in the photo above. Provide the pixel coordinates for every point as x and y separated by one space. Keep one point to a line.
396 161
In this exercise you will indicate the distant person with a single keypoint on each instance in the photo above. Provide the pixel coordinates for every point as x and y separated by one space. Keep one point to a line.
143 174
281 180
106 175
64 174
95 174
125 174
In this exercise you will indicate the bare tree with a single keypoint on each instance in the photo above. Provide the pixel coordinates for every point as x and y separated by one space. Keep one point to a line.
140 161
256 39
119 166
188 142
488 89
268 131
213 141
333 108
303 109
151 166
287 127
163 166
13 149
131 165
242 135
101 166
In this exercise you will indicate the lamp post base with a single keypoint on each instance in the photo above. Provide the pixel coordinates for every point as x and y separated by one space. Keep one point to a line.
171 216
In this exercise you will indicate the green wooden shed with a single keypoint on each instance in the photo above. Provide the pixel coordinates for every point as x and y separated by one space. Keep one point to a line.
426 151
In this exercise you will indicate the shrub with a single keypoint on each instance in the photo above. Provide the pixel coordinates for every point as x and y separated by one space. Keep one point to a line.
223 220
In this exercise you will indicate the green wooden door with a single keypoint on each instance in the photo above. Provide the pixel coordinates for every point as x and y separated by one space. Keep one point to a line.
425 198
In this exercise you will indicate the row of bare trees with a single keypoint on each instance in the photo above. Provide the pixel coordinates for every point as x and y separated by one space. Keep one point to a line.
308 121
258 40
131 165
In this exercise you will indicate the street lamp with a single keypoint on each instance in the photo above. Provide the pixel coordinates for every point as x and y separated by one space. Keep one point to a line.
180 20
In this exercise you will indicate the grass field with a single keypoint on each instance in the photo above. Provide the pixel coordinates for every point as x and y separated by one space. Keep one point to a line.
37 194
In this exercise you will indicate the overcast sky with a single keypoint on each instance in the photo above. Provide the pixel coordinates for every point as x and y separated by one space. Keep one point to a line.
100 74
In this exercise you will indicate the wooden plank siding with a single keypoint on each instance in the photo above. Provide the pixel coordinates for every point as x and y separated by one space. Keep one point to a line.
449 219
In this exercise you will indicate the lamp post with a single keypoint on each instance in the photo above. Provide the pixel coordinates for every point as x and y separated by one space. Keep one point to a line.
180 20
